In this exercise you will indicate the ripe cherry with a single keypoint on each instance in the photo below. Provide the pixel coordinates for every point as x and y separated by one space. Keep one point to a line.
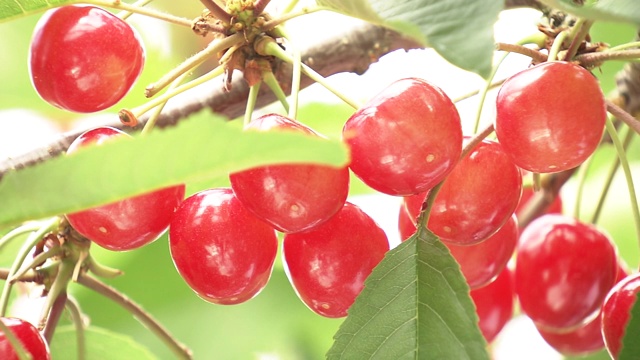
28 335
476 199
585 339
494 304
406 139
564 270
293 197
480 263
83 58
329 264
127 224
616 312
221 249
550 117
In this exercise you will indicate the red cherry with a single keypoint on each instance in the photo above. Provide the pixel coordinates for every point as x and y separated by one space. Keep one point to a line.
585 339
550 117
329 264
406 139
28 335
220 249
127 224
476 199
494 304
83 58
480 263
616 312
292 198
564 270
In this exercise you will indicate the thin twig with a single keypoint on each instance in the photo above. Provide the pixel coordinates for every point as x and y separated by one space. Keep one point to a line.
621 114
144 317
536 55
217 11
596 58
54 316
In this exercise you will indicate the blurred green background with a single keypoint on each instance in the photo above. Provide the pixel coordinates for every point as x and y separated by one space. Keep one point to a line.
275 324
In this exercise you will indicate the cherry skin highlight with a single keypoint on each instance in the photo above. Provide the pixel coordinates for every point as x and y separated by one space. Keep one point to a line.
550 117
294 197
83 58
476 199
28 335
563 272
127 224
406 139
494 304
329 264
616 312
223 252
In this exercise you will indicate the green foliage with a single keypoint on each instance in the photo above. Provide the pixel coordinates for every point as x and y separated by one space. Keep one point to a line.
196 150
100 344
10 9
630 344
605 10
415 305
461 31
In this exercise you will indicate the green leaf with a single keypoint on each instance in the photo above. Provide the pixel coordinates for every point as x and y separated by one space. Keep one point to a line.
11 9
630 343
459 30
604 10
99 344
415 305
197 150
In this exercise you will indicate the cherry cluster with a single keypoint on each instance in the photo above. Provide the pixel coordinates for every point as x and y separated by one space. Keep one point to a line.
407 141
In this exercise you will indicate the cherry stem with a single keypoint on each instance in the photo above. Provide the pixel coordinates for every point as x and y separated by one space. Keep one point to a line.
594 59
423 218
54 316
295 76
291 15
15 343
557 45
629 45
610 175
31 241
536 181
620 114
476 92
251 102
136 310
35 262
73 308
15 233
268 46
101 270
275 87
208 52
536 55
58 288
153 118
611 130
259 6
138 111
579 33
124 15
133 8
292 4
217 11
485 89
582 180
